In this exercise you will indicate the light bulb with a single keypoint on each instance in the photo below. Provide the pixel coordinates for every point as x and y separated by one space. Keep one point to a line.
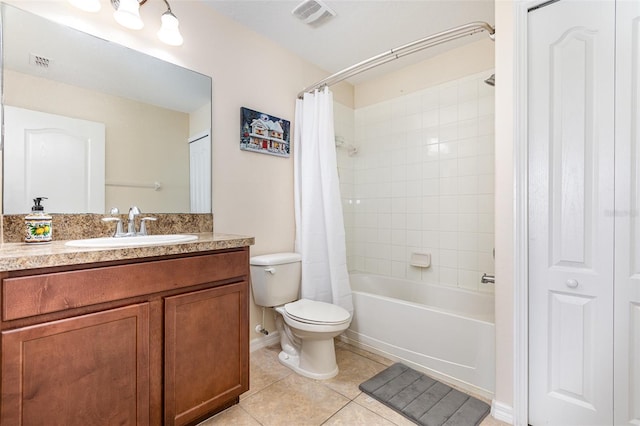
86 5
169 32
128 14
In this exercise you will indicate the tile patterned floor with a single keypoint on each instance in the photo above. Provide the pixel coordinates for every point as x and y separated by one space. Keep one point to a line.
278 396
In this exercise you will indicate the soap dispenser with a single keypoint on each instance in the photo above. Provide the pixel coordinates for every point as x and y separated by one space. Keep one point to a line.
38 224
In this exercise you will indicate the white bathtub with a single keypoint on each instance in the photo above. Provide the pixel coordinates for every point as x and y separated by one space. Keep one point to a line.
445 332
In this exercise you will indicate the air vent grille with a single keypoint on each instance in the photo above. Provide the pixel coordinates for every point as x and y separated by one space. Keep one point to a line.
40 61
313 12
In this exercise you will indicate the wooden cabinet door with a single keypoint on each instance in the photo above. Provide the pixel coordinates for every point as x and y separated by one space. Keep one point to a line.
87 370
206 351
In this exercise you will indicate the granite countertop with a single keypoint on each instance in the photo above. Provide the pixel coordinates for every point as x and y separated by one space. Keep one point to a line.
19 256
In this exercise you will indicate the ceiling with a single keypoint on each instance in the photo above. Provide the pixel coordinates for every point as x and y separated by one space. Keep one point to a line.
360 29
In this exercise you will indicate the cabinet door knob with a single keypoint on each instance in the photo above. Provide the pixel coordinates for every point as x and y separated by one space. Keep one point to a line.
571 283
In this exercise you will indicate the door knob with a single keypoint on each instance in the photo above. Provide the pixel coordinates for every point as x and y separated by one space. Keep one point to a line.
571 283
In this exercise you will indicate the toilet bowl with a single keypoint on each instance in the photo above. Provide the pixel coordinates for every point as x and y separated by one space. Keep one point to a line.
306 327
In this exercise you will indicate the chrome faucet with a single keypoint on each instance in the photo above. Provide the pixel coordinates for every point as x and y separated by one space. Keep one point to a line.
131 226
488 278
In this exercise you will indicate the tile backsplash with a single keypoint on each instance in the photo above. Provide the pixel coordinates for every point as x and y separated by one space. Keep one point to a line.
422 180
78 226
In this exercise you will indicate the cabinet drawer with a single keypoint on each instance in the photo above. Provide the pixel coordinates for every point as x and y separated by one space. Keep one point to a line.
40 294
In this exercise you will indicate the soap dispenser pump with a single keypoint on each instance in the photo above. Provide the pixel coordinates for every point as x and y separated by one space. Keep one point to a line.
38 224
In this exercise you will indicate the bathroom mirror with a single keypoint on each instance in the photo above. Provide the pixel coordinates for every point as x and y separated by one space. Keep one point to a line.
154 117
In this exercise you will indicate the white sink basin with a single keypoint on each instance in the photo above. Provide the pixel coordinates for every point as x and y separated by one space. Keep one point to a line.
141 240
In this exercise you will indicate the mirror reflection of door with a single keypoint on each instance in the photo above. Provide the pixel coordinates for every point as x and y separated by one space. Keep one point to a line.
53 156
200 173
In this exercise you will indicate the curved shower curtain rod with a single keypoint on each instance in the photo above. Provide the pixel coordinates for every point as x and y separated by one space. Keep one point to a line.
393 54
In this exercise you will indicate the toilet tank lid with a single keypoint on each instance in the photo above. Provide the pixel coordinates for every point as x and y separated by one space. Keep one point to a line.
275 259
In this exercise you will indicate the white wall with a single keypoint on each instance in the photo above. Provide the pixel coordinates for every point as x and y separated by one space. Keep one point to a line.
504 205
252 193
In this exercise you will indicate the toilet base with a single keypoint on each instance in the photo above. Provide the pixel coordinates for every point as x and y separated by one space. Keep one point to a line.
293 362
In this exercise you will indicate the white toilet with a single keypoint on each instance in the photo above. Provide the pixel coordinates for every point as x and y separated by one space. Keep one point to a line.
308 329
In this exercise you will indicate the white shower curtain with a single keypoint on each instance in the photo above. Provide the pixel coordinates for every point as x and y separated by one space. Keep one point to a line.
320 235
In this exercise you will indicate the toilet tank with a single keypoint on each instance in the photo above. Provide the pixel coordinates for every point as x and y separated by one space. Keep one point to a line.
275 278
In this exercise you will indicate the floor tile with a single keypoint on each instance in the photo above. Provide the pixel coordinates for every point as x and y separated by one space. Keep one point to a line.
355 414
294 400
354 369
278 396
490 421
366 354
382 410
265 369
235 415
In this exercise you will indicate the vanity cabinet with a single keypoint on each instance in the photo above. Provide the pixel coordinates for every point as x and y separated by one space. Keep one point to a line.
157 341
92 369
206 351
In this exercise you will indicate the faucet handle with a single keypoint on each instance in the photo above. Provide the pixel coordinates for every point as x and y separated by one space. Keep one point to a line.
143 224
118 232
114 210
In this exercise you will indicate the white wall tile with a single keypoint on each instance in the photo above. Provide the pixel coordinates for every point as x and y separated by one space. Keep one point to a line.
431 239
468 241
448 94
423 180
431 118
448 132
414 238
449 204
448 114
468 222
448 240
467 91
448 222
449 276
430 98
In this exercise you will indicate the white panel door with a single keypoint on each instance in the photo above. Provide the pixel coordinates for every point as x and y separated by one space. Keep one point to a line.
48 155
200 174
627 241
571 118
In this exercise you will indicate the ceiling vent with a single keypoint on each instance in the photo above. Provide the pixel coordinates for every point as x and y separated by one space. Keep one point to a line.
40 61
313 12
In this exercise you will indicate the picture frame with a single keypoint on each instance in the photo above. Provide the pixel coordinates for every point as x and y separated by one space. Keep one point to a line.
264 133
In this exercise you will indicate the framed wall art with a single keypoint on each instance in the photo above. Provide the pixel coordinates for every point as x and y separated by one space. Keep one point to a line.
264 133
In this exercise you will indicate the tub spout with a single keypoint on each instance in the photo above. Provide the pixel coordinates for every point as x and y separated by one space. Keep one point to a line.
486 279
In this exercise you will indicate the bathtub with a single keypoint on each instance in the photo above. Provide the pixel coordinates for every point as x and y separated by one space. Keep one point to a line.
442 331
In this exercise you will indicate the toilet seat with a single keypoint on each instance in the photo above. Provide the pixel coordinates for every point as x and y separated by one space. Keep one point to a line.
316 313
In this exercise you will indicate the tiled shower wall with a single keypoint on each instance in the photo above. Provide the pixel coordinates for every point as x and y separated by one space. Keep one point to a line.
417 175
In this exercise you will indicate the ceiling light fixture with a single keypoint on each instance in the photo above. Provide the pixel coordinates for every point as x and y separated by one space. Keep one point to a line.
127 14
169 32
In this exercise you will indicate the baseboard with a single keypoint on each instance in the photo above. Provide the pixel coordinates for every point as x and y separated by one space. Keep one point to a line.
502 412
262 342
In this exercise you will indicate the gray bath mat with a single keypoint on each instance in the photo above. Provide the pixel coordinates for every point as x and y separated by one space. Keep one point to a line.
424 400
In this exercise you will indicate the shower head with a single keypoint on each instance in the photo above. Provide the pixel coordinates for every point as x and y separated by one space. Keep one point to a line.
491 81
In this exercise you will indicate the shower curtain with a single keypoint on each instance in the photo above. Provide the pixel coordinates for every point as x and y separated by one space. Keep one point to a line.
320 235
